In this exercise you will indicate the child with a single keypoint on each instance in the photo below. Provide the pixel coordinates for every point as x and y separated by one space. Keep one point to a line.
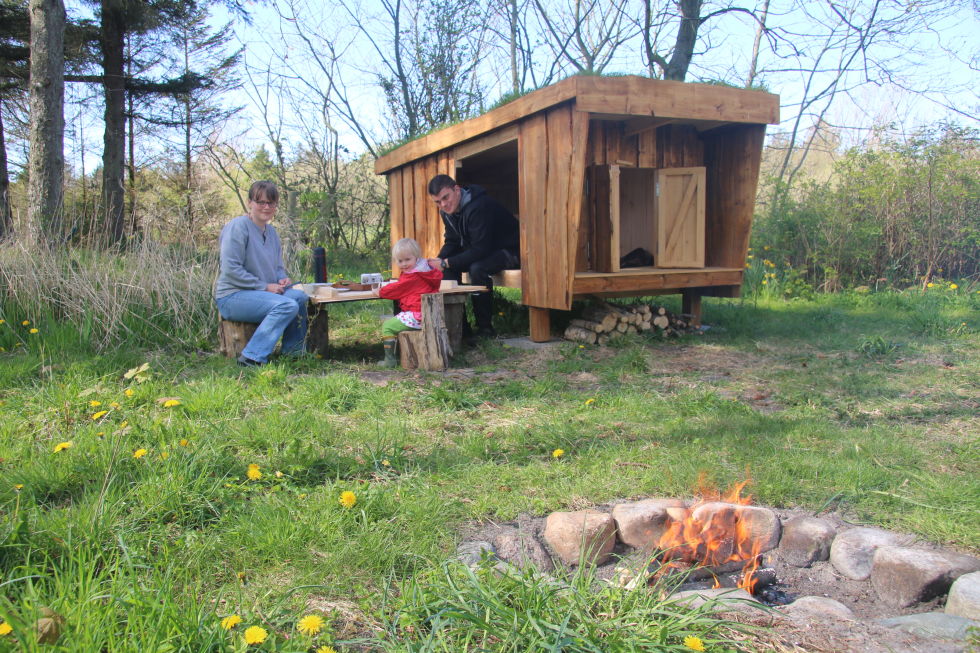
416 279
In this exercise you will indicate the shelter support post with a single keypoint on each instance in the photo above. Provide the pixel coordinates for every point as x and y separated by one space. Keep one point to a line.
540 319
691 305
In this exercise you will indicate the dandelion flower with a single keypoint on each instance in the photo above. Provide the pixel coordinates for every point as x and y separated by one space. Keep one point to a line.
765 282
3 321
694 643
139 453
114 404
310 625
33 331
326 649
930 285
347 499
100 434
230 622
386 463
589 401
184 442
5 629
128 392
100 414
123 424
164 455
253 473
170 403
278 474
94 403
557 453
19 487
255 635
25 323
61 446
953 286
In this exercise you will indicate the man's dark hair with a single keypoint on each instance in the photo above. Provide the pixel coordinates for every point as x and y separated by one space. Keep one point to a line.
263 188
439 182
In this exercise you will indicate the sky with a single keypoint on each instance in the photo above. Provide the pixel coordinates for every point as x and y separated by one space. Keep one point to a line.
270 42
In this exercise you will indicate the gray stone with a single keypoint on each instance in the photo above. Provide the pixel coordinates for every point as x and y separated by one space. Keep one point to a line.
642 523
903 576
852 550
724 599
932 625
760 526
806 540
522 549
964 597
807 607
470 553
585 535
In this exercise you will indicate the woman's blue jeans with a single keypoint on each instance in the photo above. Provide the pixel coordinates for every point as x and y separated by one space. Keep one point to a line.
278 316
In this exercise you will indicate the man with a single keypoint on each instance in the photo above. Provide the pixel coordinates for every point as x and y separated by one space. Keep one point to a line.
482 238
253 285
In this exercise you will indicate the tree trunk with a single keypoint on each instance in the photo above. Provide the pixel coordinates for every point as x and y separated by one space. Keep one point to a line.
687 37
6 218
114 86
46 160
760 30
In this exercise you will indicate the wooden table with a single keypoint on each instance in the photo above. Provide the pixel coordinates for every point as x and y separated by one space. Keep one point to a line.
447 312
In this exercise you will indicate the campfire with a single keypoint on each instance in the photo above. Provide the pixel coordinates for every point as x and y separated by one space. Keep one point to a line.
716 542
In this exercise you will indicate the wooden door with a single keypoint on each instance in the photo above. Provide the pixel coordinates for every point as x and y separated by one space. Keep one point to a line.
679 217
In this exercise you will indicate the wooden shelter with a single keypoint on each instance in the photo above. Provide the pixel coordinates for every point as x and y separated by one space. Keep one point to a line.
595 167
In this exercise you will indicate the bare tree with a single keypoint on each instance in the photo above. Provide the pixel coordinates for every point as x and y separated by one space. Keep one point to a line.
585 34
46 161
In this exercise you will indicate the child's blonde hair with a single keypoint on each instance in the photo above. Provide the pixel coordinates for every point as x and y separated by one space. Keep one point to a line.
407 246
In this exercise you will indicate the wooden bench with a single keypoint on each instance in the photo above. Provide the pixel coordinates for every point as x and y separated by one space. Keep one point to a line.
503 279
442 333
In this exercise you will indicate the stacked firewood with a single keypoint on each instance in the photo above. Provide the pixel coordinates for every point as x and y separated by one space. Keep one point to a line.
603 321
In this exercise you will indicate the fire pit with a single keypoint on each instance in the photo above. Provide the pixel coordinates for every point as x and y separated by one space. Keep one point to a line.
858 585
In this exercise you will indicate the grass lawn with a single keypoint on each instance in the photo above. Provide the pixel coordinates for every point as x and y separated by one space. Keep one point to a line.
128 505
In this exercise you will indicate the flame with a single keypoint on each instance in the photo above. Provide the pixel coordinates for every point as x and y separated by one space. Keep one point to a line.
713 534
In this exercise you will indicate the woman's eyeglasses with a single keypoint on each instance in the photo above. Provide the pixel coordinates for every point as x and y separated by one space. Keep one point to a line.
265 203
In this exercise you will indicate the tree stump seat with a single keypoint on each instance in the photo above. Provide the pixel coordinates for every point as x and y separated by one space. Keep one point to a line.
442 333
233 336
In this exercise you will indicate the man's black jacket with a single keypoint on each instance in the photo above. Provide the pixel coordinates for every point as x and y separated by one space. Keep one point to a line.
478 229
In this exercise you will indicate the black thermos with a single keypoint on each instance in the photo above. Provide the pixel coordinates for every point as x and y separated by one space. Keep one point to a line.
319 265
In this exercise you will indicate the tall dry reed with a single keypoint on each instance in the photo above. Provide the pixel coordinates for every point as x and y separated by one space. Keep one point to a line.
151 294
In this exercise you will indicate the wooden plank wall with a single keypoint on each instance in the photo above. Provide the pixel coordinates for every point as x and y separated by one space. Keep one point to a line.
732 156
551 153
413 214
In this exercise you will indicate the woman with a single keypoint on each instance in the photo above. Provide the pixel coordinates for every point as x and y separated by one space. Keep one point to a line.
253 285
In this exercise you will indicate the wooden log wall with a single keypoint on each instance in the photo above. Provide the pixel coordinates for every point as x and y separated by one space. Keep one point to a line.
551 160
413 214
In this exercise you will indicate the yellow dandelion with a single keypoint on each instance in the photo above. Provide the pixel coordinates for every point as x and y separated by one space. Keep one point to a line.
184 442
100 414
326 649
589 401
170 403
748 266
930 285
581 346
123 424
94 403
255 635
139 453
61 446
765 282
278 474
347 499
231 621
113 404
953 286
241 576
3 321
33 331
5 629
100 434
19 486
766 247
386 463
557 453
694 643
164 455
253 473
128 392
310 625
25 323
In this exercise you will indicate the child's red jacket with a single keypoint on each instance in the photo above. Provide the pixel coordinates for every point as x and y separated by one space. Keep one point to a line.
410 287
